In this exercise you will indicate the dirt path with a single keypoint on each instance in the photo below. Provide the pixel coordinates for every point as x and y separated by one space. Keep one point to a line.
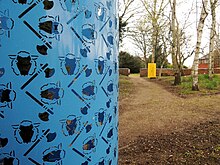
152 110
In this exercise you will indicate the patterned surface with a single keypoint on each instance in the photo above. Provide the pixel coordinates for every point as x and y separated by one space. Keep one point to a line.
58 82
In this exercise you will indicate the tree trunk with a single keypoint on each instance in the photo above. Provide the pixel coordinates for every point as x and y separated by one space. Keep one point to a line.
145 60
212 38
161 68
177 74
177 80
204 14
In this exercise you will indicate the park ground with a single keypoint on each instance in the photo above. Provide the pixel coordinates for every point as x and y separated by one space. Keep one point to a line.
158 126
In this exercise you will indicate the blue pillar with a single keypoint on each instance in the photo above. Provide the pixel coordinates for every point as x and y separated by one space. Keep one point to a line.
58 82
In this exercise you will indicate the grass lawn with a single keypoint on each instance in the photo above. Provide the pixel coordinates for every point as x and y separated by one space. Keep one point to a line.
125 87
206 86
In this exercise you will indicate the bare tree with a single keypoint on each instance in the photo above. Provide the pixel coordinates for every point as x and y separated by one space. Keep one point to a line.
164 54
140 36
155 15
179 42
213 4
201 23
126 11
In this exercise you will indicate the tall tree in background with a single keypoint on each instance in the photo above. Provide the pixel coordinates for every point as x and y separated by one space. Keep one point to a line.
174 30
179 42
213 4
155 15
126 60
203 16
126 12
140 36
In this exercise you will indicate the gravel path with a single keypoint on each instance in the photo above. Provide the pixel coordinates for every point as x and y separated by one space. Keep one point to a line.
153 110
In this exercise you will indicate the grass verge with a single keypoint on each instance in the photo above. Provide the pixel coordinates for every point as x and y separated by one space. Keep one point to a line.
125 87
206 86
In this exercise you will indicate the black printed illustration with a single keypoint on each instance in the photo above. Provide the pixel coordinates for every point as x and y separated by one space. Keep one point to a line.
88 14
49 72
50 27
3 142
100 11
26 132
88 128
109 4
88 72
100 65
9 159
23 63
89 90
109 54
48 4
6 23
51 93
44 116
51 136
28 2
101 162
7 95
84 52
69 5
110 133
84 110
110 23
2 72
110 87
108 149
88 33
85 163
110 39
100 117
71 125
89 144
69 65
53 155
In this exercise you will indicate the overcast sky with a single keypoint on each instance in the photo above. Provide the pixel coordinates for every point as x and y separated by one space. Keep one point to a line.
182 10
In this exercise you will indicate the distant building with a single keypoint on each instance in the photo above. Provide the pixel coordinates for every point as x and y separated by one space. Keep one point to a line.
204 60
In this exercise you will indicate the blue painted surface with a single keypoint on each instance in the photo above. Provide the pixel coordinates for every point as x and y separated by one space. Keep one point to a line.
58 82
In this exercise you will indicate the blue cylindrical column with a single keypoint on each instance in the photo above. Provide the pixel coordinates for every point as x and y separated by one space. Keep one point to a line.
58 82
